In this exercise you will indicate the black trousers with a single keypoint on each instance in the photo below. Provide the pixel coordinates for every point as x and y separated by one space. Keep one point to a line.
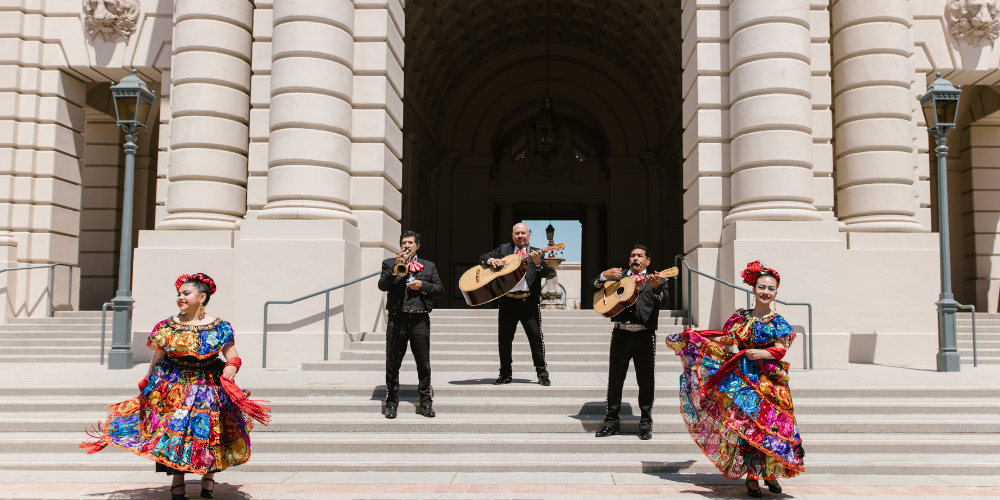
640 347
401 329
529 314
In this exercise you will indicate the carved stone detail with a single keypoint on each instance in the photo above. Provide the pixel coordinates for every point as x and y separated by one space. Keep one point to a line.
110 19
976 22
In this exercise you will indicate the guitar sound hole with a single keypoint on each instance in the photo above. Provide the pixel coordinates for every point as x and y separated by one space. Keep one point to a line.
620 290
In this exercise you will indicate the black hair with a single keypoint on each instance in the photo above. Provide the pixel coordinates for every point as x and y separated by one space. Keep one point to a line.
644 249
202 287
407 234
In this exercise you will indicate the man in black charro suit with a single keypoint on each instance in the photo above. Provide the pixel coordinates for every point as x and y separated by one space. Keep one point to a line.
520 305
409 306
633 337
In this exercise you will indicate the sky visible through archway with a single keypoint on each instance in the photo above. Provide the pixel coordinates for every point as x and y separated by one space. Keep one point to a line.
568 232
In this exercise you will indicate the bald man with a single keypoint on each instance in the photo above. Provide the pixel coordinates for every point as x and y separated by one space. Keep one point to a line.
520 305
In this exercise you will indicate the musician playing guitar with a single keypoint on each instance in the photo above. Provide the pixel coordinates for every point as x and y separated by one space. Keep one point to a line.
520 305
633 337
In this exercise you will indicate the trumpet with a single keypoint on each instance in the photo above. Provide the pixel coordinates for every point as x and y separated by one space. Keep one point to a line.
402 264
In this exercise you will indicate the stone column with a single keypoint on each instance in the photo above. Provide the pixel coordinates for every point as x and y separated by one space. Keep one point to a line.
980 200
309 146
771 111
210 104
873 106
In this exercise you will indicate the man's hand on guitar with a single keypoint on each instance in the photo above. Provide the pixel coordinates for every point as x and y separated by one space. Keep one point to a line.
536 256
654 280
613 274
497 264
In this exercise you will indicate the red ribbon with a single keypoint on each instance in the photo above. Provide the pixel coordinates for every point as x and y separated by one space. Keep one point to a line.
253 409
639 279
415 267
521 252
235 361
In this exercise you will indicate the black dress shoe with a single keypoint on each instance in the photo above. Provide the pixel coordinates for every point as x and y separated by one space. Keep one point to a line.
427 411
774 487
606 431
645 434
503 379
390 412
753 492
544 381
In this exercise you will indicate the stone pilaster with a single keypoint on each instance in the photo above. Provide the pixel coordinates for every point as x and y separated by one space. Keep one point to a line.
874 111
210 105
309 146
771 117
980 187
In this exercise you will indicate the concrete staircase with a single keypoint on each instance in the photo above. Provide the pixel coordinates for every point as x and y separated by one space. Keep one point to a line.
987 337
465 340
68 337
523 427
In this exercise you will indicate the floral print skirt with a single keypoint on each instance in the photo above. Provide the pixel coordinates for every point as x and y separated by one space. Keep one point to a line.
182 419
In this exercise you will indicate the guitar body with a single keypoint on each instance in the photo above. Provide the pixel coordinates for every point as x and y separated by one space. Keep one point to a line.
616 296
481 284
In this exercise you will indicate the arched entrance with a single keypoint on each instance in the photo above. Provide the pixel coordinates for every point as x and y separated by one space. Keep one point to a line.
475 85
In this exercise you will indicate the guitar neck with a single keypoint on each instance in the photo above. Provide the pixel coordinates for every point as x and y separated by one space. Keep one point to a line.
544 251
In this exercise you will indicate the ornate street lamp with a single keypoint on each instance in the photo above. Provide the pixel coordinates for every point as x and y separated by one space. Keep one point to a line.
940 105
133 102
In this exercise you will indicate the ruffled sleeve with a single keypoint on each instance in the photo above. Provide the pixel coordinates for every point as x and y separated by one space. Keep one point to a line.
200 341
736 327
774 329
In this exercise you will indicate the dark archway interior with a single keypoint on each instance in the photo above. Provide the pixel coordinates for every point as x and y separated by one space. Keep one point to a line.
476 74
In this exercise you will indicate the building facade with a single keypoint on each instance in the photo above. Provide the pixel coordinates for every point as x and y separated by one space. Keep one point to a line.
279 161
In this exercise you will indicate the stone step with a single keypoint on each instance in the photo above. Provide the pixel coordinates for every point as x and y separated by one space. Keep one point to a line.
520 368
594 320
43 342
983 360
547 329
46 327
492 312
485 389
49 358
55 335
490 336
585 443
519 345
486 407
79 314
818 463
981 329
544 423
7 350
59 320
980 343
521 356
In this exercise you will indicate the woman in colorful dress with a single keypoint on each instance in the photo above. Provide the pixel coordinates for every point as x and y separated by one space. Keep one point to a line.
738 407
189 415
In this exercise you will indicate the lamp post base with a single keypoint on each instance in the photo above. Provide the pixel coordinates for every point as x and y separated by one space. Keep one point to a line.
948 359
120 356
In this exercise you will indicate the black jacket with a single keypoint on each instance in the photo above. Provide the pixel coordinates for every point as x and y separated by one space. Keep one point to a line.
533 277
646 310
401 298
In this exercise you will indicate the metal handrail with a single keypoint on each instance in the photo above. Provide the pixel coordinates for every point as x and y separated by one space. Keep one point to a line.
975 351
104 323
326 316
52 281
679 259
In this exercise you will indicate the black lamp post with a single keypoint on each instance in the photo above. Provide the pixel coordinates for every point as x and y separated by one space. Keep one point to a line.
940 105
133 102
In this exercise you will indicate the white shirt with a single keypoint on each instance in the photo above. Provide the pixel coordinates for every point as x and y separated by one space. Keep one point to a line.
522 286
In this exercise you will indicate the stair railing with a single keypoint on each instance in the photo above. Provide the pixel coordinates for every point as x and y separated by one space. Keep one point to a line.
52 281
975 351
104 324
679 260
326 316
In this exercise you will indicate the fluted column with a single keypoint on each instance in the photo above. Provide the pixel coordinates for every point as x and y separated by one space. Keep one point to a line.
309 151
771 112
873 107
210 103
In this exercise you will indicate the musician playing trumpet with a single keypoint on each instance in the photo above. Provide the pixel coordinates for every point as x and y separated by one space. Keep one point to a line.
412 283
633 338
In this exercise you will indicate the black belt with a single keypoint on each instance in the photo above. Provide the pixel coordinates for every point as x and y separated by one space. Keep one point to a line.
518 295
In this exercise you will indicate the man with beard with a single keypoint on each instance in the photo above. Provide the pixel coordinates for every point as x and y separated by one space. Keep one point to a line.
633 338
520 305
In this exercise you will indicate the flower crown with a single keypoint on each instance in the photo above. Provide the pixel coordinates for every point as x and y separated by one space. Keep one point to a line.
202 277
755 270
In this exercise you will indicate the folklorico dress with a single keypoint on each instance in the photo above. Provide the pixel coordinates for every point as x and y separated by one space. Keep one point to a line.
184 419
742 419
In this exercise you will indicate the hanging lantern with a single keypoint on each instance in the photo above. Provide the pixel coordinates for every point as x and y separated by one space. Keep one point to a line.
546 132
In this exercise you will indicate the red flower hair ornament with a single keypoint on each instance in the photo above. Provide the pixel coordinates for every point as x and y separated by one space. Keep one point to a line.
202 277
755 270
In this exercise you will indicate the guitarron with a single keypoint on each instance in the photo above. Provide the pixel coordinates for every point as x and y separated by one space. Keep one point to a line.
616 296
482 284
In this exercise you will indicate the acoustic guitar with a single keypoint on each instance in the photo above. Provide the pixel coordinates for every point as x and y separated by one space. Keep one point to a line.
616 296
482 284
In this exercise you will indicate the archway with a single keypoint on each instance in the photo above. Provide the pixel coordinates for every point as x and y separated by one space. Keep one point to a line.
475 84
